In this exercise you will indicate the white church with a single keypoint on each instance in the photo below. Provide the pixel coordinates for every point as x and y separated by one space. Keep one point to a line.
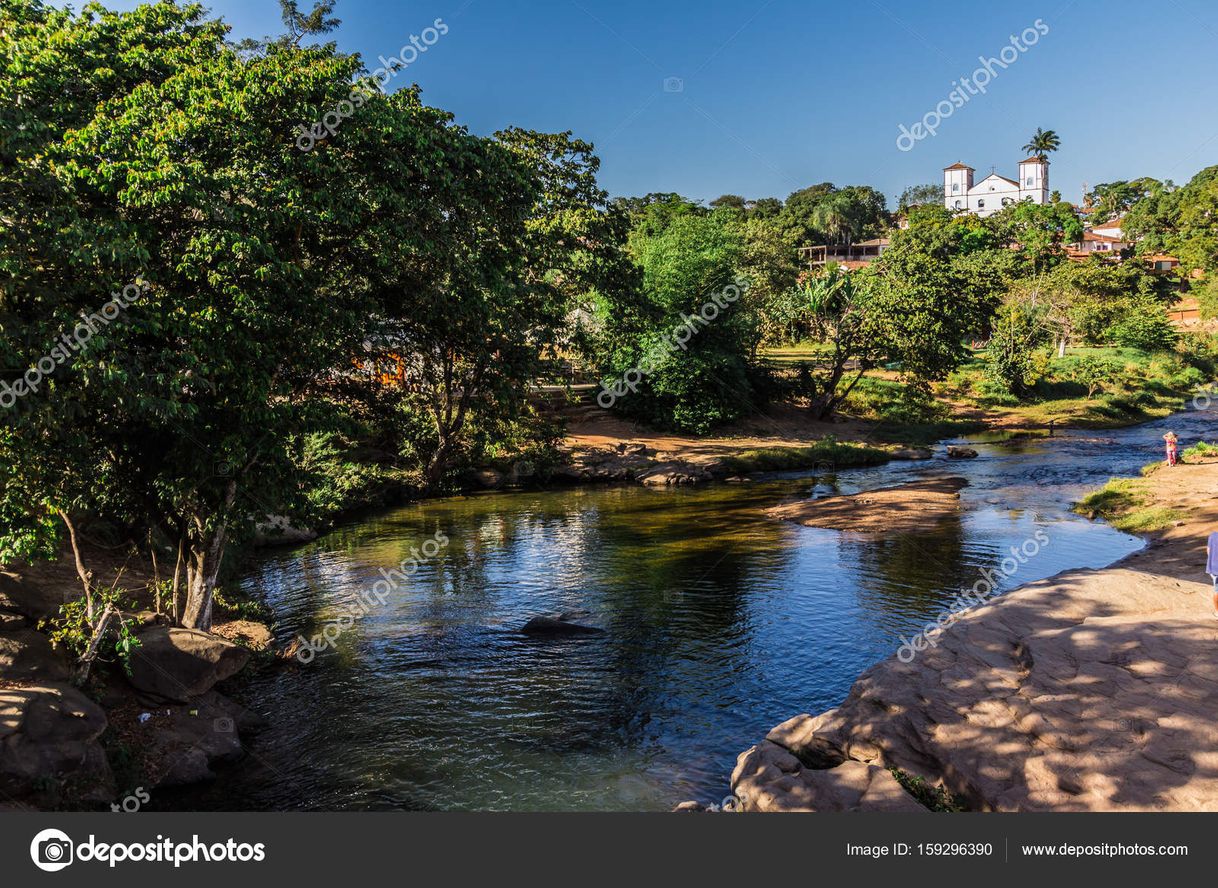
994 192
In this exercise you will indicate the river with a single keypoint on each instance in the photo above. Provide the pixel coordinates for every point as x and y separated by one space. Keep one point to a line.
720 623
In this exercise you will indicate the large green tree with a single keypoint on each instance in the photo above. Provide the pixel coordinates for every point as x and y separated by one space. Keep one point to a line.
141 149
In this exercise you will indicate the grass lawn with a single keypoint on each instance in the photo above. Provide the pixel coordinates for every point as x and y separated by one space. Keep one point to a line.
1122 502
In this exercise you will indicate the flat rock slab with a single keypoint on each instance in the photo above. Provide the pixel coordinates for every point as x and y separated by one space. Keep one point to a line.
1093 691
913 506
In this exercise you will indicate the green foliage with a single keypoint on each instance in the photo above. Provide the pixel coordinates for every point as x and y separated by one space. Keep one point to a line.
697 372
1013 359
1112 199
73 629
825 213
336 476
1145 327
1092 373
829 454
891 401
936 798
1042 142
1180 221
1123 503
1040 230
1200 450
920 195
265 273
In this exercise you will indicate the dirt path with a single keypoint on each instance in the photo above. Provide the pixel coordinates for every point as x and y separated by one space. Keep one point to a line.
782 426
1095 690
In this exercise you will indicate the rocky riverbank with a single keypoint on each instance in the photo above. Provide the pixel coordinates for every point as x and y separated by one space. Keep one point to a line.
161 724
1095 690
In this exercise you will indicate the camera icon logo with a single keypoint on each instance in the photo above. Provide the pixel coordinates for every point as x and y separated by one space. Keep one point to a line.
51 850
674 85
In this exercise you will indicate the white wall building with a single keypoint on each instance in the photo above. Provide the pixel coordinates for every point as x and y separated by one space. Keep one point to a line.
991 194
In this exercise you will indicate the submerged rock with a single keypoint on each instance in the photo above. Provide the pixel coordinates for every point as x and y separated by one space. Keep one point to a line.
558 626
957 452
909 453
675 474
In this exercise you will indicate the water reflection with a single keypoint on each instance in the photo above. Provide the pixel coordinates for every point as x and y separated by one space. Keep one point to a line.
719 623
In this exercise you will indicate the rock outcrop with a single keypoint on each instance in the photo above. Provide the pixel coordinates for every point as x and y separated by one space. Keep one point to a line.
181 664
184 744
957 452
49 733
1092 691
249 633
26 656
768 778
278 530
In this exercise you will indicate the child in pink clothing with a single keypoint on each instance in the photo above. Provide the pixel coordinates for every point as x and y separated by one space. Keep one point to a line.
1172 445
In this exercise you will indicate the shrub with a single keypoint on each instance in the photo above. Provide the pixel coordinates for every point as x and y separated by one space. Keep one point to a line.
1145 327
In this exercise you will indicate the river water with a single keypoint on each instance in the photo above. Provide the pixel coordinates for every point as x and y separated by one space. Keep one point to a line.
719 623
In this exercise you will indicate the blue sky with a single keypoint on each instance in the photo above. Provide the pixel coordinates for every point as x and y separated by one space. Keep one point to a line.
777 95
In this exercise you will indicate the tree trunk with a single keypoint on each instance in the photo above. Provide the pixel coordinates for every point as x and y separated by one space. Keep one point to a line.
86 662
175 603
436 465
824 406
206 553
85 576
202 568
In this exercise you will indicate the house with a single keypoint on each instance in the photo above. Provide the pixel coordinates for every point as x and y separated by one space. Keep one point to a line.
1094 242
849 256
991 194
1108 240
1111 228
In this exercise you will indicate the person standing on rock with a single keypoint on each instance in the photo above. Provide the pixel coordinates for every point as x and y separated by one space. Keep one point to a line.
1173 444
1211 567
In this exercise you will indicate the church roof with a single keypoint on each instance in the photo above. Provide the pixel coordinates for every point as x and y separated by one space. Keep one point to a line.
999 176
958 166
1035 159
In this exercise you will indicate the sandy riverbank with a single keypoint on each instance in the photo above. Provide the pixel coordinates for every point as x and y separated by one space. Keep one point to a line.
898 509
1095 690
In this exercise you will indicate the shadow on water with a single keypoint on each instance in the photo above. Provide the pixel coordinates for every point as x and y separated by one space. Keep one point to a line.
720 622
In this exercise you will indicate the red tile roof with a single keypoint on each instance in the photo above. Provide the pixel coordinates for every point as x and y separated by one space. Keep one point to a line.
958 166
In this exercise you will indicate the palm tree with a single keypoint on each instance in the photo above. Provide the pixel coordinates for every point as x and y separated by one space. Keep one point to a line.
1042 142
834 216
